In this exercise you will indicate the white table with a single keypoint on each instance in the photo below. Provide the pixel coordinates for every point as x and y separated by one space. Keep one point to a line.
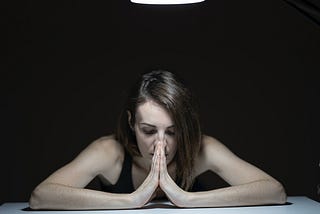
295 205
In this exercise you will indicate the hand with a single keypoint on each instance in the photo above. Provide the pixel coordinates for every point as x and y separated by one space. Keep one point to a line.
175 194
144 193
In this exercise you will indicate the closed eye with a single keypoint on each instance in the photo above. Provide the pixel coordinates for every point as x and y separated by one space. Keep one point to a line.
171 133
149 132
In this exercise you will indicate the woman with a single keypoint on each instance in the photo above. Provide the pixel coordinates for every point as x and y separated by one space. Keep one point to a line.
157 151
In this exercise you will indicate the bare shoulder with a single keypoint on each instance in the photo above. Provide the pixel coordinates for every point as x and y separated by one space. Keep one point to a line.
100 156
210 145
211 153
106 144
215 156
111 154
107 148
209 141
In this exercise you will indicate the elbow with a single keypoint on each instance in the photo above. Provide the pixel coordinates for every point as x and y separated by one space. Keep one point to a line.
36 198
282 198
278 195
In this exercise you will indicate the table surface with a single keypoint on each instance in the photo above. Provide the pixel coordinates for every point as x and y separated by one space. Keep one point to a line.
297 204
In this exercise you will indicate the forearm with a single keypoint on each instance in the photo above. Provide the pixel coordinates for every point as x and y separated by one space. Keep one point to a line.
56 196
255 193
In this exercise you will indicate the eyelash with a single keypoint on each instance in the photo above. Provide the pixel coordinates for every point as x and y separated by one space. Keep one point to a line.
149 132
170 133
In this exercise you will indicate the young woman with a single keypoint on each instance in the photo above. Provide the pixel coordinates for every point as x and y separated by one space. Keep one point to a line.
157 151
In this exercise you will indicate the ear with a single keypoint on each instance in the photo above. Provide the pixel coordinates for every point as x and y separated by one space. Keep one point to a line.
129 120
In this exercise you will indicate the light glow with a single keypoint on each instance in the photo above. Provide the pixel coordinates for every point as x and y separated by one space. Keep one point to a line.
166 1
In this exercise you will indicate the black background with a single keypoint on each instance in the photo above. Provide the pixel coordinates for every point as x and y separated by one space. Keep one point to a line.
252 65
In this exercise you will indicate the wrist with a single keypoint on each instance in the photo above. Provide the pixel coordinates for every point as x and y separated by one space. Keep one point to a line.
183 200
136 201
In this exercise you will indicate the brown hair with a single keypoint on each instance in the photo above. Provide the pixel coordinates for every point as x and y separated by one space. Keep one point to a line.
165 89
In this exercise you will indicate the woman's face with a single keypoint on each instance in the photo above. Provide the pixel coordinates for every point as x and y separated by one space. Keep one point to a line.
153 124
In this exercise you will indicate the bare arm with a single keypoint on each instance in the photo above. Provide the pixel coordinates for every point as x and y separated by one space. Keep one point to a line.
249 185
54 196
259 192
64 189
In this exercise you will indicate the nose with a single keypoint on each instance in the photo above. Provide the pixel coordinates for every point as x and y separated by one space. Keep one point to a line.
160 140
160 136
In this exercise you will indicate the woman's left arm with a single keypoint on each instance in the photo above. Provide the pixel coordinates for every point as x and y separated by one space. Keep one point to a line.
249 185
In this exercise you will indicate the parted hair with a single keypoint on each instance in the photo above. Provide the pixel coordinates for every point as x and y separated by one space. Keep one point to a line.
168 91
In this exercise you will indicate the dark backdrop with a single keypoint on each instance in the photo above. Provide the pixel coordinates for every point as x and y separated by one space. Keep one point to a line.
252 65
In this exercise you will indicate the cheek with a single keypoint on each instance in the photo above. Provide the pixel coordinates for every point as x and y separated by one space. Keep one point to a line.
144 143
172 144
172 149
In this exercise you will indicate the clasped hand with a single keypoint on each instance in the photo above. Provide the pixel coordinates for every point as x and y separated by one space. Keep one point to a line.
159 177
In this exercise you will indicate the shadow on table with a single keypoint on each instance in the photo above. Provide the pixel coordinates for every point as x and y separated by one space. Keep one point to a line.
168 205
159 204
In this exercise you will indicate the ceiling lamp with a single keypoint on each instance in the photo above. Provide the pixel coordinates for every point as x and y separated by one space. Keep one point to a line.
166 1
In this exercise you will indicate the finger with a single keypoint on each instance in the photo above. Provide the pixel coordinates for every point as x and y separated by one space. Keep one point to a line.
155 155
163 154
156 165
155 158
158 145
162 145
163 162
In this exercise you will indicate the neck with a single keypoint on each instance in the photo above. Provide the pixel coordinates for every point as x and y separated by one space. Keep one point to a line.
142 163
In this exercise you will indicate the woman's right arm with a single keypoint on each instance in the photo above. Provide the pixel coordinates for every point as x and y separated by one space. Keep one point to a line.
64 189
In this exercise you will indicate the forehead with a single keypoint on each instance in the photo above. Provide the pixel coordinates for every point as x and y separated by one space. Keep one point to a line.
154 114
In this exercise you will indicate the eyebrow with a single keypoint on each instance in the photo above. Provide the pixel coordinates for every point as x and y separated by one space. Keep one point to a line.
147 124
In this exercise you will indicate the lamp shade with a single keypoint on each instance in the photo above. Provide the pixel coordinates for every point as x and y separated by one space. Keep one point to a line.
166 1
